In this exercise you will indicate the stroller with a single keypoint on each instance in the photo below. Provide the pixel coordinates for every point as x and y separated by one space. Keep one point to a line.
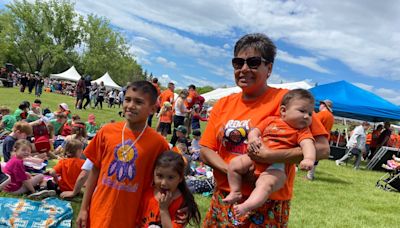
391 180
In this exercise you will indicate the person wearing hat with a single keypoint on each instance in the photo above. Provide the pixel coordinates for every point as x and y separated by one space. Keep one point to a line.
326 117
165 118
63 107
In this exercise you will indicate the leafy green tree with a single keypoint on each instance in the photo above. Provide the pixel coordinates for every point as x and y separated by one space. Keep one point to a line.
204 89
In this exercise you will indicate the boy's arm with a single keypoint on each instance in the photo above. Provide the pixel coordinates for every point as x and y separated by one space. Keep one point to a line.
308 149
87 197
294 155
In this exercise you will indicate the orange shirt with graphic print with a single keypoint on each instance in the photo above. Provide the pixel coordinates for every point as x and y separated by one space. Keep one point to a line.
126 171
68 169
189 102
150 210
228 126
327 119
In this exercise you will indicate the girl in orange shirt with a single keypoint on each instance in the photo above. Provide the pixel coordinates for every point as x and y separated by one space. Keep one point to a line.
165 117
168 193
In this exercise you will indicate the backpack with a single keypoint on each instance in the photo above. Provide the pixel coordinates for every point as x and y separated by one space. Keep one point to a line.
42 138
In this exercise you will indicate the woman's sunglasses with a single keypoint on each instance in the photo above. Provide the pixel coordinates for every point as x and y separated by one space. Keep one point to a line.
252 62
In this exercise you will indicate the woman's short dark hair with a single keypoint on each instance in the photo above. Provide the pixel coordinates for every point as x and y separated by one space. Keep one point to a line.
260 42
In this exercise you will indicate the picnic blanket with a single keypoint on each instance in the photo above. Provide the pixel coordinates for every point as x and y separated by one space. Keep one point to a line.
50 212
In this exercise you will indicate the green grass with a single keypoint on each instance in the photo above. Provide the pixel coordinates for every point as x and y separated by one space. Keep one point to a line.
339 197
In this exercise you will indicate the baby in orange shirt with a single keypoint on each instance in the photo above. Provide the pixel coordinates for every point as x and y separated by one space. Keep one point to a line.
67 170
287 131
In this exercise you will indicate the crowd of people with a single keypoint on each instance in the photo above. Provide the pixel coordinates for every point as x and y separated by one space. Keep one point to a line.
252 142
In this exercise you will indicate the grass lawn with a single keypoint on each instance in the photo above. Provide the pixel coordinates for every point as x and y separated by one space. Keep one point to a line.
339 197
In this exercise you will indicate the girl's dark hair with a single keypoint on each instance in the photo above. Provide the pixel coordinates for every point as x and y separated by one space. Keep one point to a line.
172 159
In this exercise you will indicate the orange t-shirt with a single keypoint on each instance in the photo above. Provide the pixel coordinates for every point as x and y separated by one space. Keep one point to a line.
228 126
157 88
397 145
166 95
68 169
327 119
166 117
277 134
124 173
150 210
368 139
190 99
375 136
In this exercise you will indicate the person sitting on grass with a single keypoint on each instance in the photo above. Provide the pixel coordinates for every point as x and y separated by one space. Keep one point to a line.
21 130
78 133
7 120
67 170
284 132
194 149
22 182
91 126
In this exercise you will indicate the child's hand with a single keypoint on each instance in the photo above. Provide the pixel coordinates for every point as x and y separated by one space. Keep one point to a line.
165 200
253 145
82 218
306 164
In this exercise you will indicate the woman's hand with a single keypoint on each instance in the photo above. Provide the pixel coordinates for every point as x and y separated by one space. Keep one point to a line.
260 154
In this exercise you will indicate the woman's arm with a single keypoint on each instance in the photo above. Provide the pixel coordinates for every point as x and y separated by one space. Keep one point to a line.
294 155
212 159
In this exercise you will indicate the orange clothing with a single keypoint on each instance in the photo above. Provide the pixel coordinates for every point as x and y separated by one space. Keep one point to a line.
327 119
126 171
368 139
277 134
166 95
392 142
150 210
397 145
157 88
166 117
68 169
189 102
375 136
229 123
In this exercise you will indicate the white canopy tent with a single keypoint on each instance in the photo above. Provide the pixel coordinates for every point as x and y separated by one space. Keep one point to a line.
71 74
223 92
108 82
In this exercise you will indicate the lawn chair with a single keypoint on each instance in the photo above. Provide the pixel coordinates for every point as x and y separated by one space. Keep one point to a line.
391 180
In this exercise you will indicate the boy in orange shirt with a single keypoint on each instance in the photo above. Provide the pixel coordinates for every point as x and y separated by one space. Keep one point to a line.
123 156
69 169
288 131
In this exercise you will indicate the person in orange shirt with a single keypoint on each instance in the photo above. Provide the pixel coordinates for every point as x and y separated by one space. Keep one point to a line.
227 130
189 102
326 117
123 155
165 117
169 193
168 94
288 131
66 171
374 140
155 84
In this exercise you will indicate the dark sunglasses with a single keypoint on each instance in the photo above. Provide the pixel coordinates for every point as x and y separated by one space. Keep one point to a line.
252 62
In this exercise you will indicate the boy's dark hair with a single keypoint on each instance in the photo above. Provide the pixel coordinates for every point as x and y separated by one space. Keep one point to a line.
297 94
192 87
22 106
174 160
155 80
144 87
37 101
196 132
46 111
72 147
75 117
27 104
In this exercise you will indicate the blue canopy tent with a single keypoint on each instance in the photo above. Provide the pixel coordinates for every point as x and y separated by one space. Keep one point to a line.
350 101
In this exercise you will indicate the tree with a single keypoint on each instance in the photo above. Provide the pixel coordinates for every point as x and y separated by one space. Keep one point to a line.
41 33
204 89
106 50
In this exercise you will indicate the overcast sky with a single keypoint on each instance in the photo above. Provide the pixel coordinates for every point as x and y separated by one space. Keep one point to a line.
321 41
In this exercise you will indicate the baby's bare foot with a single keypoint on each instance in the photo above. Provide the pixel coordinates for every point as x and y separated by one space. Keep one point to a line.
233 197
